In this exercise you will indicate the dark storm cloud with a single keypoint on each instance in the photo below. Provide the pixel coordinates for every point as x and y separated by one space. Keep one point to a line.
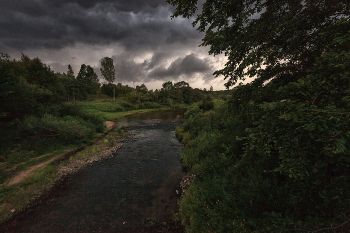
139 29
126 69
156 60
122 5
57 24
187 66
41 7
157 68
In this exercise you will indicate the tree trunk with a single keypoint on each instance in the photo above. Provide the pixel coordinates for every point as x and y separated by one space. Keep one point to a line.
113 92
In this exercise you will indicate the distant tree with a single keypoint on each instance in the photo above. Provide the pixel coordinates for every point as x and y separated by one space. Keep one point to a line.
72 83
181 85
108 71
70 71
120 87
197 95
107 89
179 95
168 86
211 89
87 81
142 88
93 81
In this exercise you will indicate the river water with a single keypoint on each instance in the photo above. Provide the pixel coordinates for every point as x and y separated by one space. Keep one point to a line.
134 191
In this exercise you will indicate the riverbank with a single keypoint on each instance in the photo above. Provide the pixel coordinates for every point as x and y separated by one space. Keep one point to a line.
27 182
139 182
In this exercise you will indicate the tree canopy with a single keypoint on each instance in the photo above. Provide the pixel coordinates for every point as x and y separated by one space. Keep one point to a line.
107 69
266 39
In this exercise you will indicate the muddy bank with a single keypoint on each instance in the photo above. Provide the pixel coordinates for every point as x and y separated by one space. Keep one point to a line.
133 191
73 166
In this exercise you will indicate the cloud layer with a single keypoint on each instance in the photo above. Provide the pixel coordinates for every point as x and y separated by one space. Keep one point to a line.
139 35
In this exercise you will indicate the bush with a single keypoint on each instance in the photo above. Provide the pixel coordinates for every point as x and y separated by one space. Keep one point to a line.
152 105
66 130
207 103
128 106
192 110
69 126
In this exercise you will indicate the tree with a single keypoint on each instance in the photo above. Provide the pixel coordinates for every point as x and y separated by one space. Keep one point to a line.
92 80
71 83
70 71
108 71
181 85
168 86
279 165
27 87
277 39
142 88
87 81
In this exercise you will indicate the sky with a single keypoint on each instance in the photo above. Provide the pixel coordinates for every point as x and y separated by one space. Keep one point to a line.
147 46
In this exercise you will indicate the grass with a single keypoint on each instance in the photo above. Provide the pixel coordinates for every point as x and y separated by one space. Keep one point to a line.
16 197
113 110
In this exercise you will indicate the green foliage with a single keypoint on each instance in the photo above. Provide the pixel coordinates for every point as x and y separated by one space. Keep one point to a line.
107 69
207 103
66 129
27 87
108 72
134 97
192 110
143 89
274 158
265 39
152 105
87 82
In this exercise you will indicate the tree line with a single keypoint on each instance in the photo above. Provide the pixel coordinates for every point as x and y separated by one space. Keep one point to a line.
28 86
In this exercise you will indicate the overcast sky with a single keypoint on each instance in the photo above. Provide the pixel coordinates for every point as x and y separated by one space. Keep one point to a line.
147 46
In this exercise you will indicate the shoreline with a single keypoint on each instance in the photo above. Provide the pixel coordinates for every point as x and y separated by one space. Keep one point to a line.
69 163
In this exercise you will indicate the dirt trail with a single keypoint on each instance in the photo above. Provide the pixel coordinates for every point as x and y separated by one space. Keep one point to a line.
24 174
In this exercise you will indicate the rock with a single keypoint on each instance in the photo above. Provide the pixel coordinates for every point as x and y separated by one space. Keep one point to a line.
186 181
110 124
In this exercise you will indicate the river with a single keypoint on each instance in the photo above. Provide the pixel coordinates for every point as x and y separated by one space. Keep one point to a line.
134 191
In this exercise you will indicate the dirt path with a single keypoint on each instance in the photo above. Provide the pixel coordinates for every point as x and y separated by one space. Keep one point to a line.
24 174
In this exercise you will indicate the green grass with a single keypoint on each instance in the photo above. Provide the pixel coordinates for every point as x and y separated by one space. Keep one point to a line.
23 159
18 196
113 110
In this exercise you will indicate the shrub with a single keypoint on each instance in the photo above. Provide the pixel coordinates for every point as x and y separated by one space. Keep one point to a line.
65 130
127 105
192 110
152 105
207 103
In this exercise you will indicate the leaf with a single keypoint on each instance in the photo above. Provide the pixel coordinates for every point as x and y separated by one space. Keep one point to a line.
340 143
320 128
